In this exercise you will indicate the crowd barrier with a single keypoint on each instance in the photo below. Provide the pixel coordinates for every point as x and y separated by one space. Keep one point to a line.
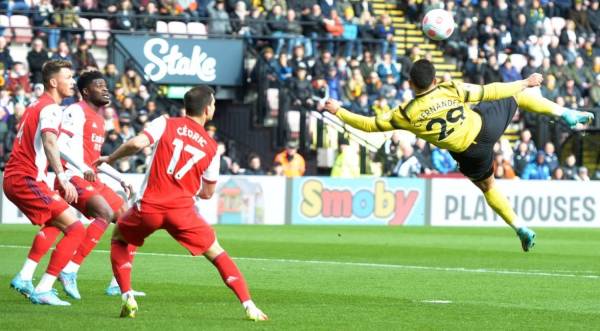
380 201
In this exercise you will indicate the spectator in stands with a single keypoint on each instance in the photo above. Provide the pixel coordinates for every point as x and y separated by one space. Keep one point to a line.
6 60
423 153
293 163
254 166
36 57
351 23
595 93
300 90
525 137
582 174
130 82
88 7
83 59
142 98
111 75
558 174
491 71
112 142
570 167
594 16
313 26
20 97
502 167
64 53
294 33
322 65
277 24
257 27
239 19
124 19
538 51
389 67
509 72
550 155
355 87
110 6
66 17
299 59
219 19
42 19
38 90
367 64
334 30
18 76
388 153
549 89
111 121
571 94
361 105
276 170
346 164
537 169
568 33
408 164
140 121
579 15
224 159
530 68
561 70
582 74
335 84
442 161
284 70
385 32
148 20
269 4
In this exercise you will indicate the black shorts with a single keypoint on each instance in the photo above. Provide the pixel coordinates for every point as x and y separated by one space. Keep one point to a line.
476 162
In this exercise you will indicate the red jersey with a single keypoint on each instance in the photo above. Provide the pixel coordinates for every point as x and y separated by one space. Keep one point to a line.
85 129
183 155
28 157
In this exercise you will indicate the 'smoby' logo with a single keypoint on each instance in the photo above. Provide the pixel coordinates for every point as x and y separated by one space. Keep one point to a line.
165 60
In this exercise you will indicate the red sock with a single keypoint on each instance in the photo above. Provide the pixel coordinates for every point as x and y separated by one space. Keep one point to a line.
42 242
93 234
65 248
232 276
121 258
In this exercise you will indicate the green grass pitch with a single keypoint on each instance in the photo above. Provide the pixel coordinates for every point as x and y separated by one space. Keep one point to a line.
334 278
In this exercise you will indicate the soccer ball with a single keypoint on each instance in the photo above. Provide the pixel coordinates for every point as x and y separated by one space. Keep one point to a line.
438 24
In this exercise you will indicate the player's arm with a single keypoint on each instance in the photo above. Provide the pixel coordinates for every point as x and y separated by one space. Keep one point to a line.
50 118
378 123
209 179
496 91
132 146
113 173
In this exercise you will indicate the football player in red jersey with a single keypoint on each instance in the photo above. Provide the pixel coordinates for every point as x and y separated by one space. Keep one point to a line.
184 164
24 185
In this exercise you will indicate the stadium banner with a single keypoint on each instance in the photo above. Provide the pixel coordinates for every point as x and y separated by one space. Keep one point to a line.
363 201
187 61
457 202
237 200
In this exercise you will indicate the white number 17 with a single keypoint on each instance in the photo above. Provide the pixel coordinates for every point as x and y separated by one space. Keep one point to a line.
197 155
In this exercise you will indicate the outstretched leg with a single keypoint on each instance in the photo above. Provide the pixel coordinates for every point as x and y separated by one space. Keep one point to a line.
532 101
502 207
233 278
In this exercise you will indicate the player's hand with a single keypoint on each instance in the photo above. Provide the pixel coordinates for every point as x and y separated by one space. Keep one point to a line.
70 191
332 106
90 176
534 80
128 189
102 159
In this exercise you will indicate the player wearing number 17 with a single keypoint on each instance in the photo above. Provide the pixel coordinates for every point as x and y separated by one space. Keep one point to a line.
184 165
443 115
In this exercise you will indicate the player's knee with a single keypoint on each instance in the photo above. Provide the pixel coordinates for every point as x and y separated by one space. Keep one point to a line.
104 213
214 250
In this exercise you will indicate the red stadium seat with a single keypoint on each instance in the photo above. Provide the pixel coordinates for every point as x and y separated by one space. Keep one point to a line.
21 28
197 30
5 23
86 25
101 29
178 29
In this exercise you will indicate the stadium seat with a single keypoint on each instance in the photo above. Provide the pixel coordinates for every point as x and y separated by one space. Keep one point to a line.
86 25
101 28
197 30
293 121
162 27
5 23
558 23
177 29
21 28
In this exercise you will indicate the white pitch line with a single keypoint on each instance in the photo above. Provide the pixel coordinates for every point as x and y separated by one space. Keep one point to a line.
372 265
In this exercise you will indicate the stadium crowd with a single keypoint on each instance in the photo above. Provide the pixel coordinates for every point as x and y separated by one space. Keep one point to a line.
339 49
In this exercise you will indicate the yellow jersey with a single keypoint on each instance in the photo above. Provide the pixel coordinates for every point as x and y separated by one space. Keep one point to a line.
441 116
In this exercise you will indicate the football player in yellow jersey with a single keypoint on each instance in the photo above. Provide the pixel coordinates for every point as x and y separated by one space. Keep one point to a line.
467 120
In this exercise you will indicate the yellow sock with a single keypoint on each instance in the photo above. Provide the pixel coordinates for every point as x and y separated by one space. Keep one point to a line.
531 100
501 206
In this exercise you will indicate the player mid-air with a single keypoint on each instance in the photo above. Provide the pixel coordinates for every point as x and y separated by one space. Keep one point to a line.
184 165
24 184
467 120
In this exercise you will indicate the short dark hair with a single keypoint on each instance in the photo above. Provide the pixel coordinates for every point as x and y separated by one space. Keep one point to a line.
51 68
196 99
422 74
87 78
